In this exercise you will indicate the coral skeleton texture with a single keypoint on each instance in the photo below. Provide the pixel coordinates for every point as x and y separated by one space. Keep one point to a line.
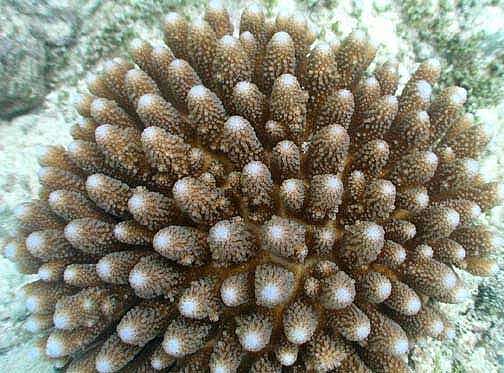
254 200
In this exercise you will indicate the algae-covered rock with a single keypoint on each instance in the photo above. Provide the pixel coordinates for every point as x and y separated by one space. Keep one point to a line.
22 71
33 41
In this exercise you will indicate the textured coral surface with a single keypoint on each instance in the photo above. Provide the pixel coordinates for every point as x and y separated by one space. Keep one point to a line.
254 202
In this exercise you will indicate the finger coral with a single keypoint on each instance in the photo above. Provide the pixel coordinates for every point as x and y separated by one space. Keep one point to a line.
238 202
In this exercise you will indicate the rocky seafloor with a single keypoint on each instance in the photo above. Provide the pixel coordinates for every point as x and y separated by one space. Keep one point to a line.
48 46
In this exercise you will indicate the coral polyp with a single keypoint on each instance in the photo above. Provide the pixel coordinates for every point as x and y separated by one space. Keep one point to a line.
254 200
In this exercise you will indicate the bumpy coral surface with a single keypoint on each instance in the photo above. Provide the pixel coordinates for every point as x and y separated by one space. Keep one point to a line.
250 200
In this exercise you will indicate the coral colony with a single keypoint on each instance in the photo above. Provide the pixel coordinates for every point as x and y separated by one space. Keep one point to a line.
254 203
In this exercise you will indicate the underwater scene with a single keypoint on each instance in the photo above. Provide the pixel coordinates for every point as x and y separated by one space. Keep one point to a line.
252 186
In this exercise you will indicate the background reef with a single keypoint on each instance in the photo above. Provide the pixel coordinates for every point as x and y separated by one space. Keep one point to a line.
43 68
